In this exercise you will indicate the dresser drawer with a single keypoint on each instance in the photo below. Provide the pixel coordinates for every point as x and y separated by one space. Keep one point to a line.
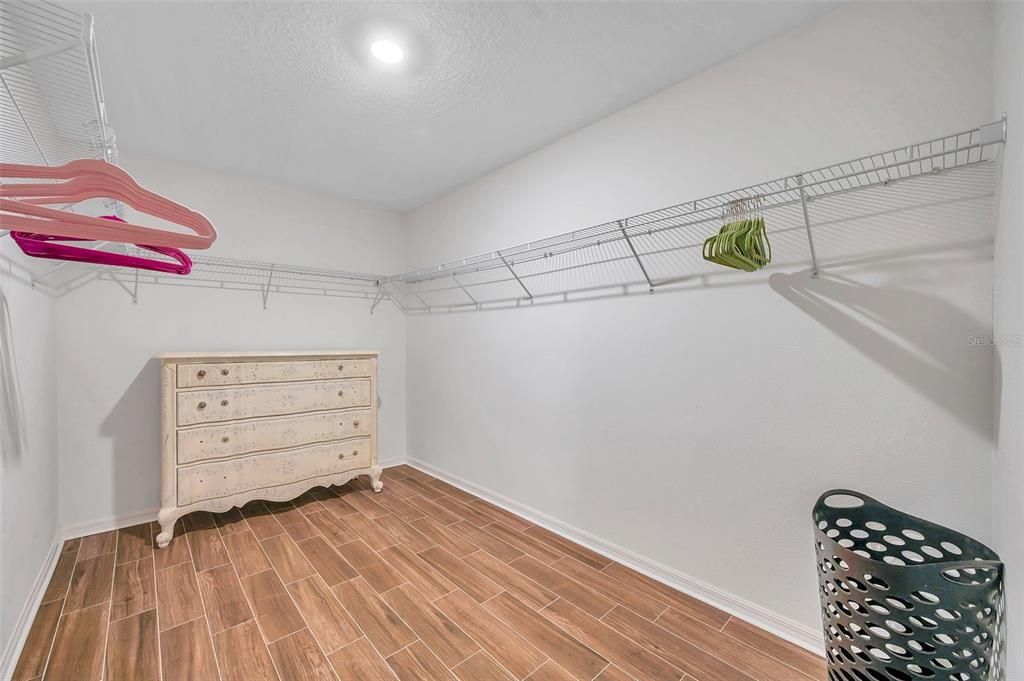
225 478
216 442
234 373
228 404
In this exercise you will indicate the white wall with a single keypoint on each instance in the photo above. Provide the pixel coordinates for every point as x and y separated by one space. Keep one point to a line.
609 415
1008 466
618 416
28 451
108 381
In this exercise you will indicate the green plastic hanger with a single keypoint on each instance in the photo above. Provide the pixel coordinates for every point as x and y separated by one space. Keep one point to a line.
741 244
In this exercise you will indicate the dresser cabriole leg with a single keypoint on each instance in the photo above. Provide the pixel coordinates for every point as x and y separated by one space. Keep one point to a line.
375 482
166 520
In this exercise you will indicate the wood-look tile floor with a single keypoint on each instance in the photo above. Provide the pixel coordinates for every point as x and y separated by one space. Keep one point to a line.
421 581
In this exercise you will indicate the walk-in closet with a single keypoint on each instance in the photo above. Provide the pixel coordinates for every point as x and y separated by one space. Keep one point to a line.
532 340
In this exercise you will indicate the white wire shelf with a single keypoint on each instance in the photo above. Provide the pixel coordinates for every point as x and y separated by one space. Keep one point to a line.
899 201
662 248
228 274
51 96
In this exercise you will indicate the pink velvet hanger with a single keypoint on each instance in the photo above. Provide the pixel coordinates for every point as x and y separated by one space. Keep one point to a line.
23 206
43 246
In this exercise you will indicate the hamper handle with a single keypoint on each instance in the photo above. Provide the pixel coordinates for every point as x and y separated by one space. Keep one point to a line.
846 492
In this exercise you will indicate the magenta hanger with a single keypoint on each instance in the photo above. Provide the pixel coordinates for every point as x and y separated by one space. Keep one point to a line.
42 246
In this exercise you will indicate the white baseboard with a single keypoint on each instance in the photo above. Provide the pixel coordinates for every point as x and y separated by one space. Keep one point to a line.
28 611
772 622
114 522
393 461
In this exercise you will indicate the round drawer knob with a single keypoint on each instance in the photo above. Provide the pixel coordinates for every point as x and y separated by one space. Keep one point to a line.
223 372
355 424
355 452
201 373
341 456
225 438
223 403
341 393
341 367
202 405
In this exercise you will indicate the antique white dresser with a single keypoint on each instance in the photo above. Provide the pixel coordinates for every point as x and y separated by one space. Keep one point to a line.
243 426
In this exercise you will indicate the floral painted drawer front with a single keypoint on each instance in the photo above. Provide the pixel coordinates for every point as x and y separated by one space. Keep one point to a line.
229 404
234 373
258 435
225 478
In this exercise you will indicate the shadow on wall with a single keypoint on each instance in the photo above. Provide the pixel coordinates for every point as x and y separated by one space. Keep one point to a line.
12 417
134 428
920 339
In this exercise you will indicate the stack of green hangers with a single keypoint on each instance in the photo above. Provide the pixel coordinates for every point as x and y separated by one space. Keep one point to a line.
742 245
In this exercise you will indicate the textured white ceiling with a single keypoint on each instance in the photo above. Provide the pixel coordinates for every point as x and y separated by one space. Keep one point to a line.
284 90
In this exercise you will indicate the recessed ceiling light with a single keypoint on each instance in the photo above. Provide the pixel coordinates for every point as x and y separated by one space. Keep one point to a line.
387 51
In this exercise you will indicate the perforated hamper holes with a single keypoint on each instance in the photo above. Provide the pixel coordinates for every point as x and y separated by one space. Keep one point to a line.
898 675
924 596
876 582
898 627
895 608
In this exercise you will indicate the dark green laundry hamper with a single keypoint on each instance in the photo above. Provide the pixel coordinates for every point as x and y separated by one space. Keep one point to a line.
903 599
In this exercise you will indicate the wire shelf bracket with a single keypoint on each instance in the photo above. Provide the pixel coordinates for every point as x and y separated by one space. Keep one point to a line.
807 225
377 298
39 53
519 281
464 290
266 289
132 290
636 256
